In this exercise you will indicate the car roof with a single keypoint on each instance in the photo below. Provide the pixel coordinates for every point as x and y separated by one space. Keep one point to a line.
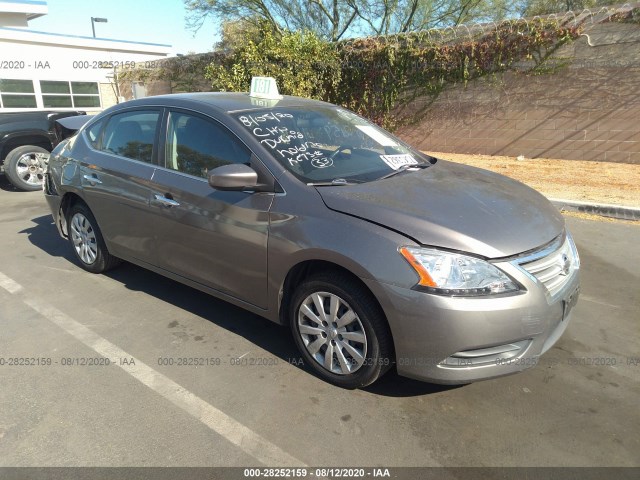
227 102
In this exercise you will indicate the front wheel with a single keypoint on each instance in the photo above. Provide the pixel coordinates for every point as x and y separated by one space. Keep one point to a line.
24 167
340 330
87 242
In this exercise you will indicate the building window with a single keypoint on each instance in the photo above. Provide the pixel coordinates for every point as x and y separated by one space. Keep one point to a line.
17 94
56 94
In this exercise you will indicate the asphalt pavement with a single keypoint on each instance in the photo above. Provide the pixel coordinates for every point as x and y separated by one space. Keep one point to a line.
194 381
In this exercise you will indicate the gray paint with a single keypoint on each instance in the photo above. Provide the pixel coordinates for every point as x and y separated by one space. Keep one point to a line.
240 245
454 206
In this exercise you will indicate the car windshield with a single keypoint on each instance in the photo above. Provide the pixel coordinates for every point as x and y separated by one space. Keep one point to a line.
329 144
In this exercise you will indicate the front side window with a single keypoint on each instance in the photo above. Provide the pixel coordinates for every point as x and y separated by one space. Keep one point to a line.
324 144
131 134
195 145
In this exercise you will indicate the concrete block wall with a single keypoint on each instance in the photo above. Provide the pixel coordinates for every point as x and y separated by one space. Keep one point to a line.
589 110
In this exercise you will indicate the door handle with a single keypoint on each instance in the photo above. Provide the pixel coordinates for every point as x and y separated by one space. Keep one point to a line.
167 202
92 179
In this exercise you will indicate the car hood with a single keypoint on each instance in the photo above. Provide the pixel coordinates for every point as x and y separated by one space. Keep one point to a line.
454 206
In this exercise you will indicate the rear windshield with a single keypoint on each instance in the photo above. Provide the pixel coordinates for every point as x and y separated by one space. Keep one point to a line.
323 144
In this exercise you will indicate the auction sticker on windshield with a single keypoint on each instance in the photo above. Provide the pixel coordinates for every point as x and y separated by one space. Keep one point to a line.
397 161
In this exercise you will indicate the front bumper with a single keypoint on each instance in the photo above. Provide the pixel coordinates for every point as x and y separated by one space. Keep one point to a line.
454 340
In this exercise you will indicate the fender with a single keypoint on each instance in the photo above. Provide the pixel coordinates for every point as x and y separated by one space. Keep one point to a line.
42 136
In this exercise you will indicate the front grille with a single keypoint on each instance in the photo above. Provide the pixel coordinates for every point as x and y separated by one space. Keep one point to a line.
553 266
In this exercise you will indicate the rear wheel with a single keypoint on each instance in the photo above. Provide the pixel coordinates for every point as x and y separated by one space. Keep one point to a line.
87 242
340 330
24 167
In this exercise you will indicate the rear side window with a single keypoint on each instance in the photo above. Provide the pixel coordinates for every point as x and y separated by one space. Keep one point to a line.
93 133
131 134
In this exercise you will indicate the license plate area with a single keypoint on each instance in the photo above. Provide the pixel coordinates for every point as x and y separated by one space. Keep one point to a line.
569 302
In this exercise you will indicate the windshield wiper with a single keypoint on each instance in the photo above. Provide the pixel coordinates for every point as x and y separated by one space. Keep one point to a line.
404 168
333 183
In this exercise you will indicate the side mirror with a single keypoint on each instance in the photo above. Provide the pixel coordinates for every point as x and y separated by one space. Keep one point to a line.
236 176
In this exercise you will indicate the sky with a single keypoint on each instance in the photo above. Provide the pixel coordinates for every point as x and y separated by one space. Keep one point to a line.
153 21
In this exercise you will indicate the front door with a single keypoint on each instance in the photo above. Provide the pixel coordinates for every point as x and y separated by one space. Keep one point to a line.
215 238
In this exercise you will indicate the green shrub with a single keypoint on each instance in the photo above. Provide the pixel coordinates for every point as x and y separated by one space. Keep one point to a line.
302 64
378 77
381 75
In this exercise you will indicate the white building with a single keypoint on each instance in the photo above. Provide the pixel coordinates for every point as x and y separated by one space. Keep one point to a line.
40 70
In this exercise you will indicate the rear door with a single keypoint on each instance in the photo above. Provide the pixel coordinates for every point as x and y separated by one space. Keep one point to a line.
215 238
115 176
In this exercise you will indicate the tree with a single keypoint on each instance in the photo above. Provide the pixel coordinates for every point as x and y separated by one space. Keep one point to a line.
383 17
337 19
330 19
236 33
302 64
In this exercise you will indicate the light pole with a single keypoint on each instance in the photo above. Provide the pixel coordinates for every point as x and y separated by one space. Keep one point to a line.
95 20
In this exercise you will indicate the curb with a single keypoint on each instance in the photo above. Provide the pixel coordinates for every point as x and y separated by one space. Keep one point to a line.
606 210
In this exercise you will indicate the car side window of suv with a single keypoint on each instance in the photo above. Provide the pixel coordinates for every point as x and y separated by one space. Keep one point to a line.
131 134
195 145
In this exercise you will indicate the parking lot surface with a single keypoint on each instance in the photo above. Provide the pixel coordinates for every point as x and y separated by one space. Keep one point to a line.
194 381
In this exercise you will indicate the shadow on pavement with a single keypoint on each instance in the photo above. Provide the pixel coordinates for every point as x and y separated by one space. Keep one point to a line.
267 335
273 338
6 186
44 235
393 385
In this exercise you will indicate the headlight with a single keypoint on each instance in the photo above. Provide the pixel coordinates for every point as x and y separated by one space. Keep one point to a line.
454 274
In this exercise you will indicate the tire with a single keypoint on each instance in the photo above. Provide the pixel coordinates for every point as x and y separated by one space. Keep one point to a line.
357 361
24 167
87 242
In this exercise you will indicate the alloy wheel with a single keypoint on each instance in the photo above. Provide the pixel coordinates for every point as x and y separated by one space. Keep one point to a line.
30 167
84 238
332 333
